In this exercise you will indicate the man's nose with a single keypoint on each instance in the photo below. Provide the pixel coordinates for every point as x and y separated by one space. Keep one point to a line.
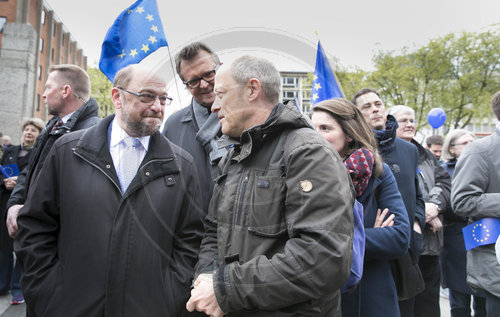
204 83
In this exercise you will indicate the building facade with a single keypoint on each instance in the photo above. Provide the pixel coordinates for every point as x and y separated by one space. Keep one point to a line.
296 86
32 38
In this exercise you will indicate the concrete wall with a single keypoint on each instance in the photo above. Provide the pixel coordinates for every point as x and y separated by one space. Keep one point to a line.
17 75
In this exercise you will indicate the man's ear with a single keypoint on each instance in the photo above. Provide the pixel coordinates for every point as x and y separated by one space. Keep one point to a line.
66 91
255 89
116 98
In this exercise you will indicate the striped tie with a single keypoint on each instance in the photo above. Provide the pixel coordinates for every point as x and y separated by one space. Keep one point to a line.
129 161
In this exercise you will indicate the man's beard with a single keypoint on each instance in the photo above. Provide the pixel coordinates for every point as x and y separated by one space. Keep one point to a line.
141 128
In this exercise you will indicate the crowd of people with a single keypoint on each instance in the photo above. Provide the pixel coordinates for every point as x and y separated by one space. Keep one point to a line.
242 205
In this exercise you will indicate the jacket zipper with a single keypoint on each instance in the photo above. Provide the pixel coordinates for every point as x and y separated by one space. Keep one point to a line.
240 203
99 168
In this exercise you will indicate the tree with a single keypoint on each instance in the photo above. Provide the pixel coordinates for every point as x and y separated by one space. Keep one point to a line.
101 91
458 73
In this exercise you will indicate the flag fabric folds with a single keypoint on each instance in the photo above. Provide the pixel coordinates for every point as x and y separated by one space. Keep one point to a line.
325 85
481 232
136 33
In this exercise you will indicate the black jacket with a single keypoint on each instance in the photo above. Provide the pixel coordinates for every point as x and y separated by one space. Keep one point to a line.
83 118
86 250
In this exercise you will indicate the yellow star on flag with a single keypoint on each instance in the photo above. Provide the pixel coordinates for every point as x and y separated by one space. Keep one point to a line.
130 11
133 52
315 77
140 10
315 96
145 48
154 28
317 86
122 55
152 39
150 18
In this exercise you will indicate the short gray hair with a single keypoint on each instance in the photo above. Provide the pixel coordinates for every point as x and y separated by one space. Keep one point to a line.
247 67
401 109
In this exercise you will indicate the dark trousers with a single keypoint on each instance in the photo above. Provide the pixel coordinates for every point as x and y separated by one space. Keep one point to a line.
406 307
492 305
460 304
9 275
427 302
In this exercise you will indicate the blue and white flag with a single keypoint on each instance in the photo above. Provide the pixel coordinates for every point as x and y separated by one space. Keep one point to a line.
136 33
481 232
325 85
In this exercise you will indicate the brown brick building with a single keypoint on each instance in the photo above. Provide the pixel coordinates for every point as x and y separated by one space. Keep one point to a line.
32 38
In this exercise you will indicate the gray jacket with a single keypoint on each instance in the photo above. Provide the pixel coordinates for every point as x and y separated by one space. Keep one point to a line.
476 194
279 229
435 184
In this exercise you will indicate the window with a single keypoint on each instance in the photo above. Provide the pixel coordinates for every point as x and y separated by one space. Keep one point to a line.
52 55
40 72
38 101
41 44
43 17
3 20
54 29
289 82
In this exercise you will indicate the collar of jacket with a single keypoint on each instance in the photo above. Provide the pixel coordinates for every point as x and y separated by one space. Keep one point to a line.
88 109
386 137
188 116
94 148
282 117
423 153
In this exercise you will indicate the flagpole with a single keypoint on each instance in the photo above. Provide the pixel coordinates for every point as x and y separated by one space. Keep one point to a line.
175 77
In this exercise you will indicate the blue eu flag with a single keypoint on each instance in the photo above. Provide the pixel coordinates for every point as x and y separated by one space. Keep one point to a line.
136 33
9 170
325 85
481 232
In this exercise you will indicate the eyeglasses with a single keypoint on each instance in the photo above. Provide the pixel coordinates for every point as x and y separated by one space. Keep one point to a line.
150 98
461 144
208 77
406 121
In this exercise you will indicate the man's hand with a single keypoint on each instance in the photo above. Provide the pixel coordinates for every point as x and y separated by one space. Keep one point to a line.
10 182
203 297
379 220
431 212
436 224
416 227
12 219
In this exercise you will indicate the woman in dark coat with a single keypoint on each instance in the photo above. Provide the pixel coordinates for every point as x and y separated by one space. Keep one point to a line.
20 154
453 254
387 236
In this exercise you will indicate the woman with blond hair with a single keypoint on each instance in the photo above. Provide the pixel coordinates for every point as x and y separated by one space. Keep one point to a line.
10 274
387 236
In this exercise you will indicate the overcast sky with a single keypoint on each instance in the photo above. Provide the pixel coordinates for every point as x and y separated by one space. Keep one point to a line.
352 31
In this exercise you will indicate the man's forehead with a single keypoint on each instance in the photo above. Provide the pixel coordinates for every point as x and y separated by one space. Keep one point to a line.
368 98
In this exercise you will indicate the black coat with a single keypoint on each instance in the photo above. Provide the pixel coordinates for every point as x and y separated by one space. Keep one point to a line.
181 129
86 250
83 118
11 156
402 158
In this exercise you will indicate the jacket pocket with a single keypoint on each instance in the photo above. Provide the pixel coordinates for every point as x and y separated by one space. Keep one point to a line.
266 210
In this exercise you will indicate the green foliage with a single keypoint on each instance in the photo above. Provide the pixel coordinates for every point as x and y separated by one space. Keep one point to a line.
457 72
101 91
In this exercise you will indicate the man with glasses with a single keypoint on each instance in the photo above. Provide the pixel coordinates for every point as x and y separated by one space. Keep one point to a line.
402 158
114 227
66 94
195 128
435 185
